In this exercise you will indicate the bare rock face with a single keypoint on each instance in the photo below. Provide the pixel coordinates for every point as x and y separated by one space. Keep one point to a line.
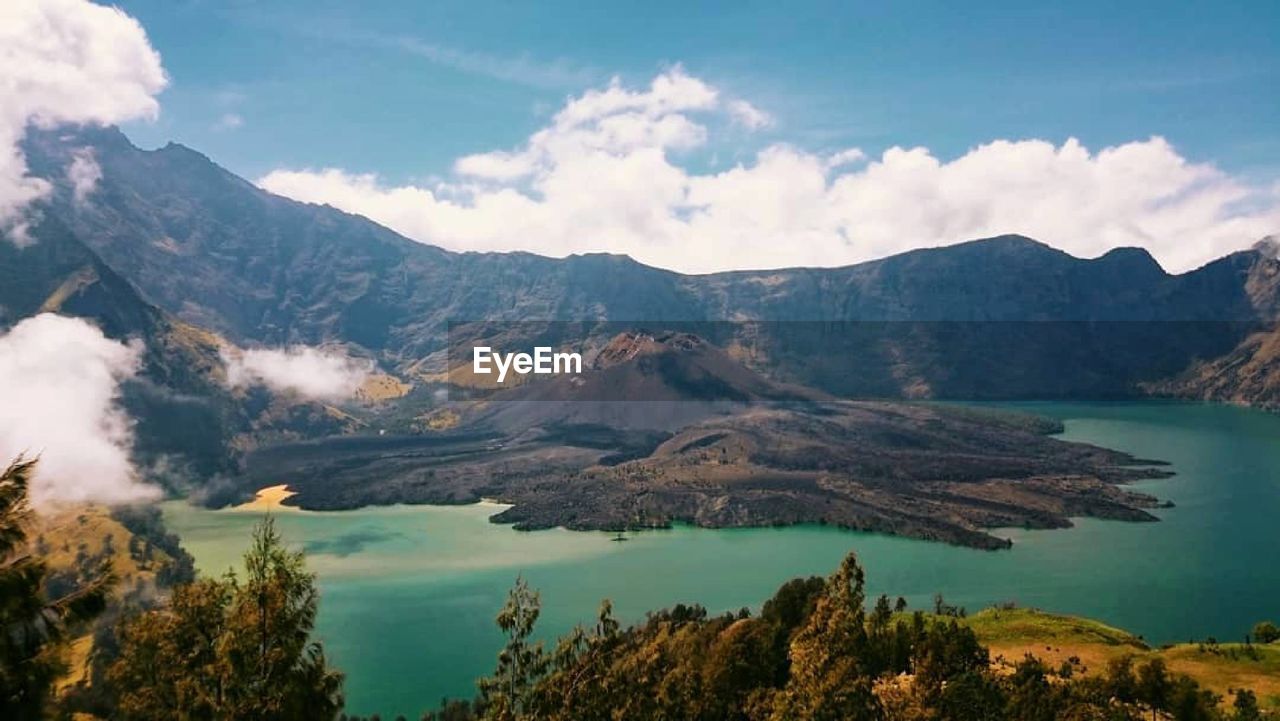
1263 281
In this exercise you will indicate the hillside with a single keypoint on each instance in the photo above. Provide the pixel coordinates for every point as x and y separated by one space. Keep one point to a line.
1248 375
184 415
175 250
636 380
820 649
189 425
217 252
1013 634
145 560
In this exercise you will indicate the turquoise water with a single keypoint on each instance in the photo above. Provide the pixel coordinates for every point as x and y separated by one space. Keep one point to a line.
409 593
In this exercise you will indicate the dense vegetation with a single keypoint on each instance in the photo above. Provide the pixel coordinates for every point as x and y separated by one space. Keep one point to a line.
236 648
215 649
148 567
814 652
227 649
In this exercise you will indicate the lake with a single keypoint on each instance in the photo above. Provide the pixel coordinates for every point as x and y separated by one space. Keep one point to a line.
409 593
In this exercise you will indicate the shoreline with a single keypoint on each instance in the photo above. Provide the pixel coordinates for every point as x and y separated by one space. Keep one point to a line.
269 498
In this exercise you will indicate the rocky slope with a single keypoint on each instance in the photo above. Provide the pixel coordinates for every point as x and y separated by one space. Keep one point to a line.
174 249
1250 373
189 426
220 253
185 417
729 449
925 472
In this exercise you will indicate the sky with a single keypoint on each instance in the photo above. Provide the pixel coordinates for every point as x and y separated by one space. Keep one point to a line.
404 88
739 135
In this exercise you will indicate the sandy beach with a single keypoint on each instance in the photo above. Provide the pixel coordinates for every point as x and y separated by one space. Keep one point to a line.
270 498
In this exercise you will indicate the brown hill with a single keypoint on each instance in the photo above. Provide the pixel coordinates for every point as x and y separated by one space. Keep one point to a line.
638 380
931 472
722 446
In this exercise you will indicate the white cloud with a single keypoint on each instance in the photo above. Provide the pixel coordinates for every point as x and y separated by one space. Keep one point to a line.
845 157
60 384
523 70
496 165
607 175
311 373
65 61
748 115
83 173
229 121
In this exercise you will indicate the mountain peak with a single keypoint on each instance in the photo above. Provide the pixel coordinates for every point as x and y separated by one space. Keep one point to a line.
60 142
1131 259
181 152
1268 247
1006 246
1009 240
631 344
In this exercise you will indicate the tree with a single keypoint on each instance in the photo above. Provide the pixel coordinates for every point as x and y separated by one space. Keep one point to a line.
280 673
1246 707
971 696
1031 696
32 626
171 661
1266 632
226 649
1189 702
1123 685
943 651
827 680
505 695
580 671
1154 685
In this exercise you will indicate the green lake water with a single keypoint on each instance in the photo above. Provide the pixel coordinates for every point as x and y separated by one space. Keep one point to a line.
409 593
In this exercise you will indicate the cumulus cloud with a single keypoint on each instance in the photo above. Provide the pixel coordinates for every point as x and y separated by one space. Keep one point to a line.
60 389
65 61
308 372
608 173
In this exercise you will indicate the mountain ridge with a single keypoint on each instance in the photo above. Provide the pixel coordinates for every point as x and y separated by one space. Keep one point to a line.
216 251
186 249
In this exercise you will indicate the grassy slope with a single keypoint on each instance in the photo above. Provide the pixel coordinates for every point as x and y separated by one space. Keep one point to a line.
63 534
1011 634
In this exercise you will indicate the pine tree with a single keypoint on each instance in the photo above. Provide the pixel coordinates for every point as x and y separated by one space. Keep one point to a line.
223 649
32 626
506 695
828 680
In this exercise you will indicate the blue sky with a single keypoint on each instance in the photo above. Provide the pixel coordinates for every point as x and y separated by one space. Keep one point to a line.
693 137
404 88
